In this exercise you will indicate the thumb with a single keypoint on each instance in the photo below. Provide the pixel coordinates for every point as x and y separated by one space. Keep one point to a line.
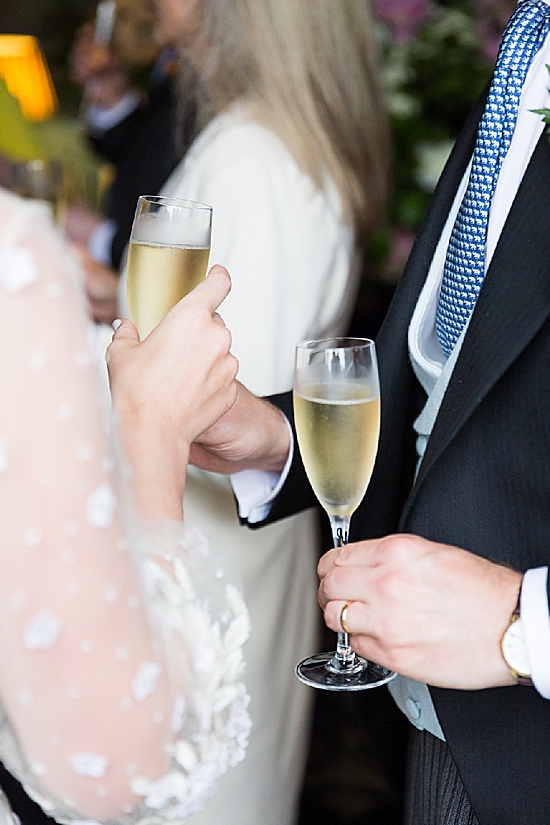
125 331
214 289
125 337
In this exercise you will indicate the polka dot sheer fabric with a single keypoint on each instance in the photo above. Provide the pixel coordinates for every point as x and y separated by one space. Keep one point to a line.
120 642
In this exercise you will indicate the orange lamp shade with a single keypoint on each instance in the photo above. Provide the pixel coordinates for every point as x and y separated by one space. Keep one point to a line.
27 77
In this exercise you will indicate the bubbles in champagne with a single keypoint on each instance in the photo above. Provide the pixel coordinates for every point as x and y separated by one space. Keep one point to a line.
173 226
338 440
158 277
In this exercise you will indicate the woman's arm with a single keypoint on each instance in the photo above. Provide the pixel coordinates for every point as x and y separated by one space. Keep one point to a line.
94 691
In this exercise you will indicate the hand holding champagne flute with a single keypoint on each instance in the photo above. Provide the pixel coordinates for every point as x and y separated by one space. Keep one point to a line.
337 416
168 256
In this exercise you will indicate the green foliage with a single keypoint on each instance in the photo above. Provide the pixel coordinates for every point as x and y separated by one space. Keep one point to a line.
435 65
544 112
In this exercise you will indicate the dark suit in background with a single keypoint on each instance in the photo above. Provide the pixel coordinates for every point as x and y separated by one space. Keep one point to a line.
144 149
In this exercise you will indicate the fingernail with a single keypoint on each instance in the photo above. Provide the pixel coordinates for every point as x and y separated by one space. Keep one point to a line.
116 324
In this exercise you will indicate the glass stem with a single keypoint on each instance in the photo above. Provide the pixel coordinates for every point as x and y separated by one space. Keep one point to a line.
345 657
340 529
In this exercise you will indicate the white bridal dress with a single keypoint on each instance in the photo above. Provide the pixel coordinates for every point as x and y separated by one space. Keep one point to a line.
289 253
113 634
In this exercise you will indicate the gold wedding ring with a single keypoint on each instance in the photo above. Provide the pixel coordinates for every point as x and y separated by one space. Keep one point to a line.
343 616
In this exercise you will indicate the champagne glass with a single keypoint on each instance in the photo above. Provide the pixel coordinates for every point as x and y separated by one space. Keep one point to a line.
337 415
168 256
42 180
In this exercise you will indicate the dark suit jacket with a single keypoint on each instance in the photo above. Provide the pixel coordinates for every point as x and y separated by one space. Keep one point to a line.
484 483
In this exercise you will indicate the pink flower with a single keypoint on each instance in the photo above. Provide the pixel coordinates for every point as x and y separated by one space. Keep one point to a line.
401 245
491 19
404 16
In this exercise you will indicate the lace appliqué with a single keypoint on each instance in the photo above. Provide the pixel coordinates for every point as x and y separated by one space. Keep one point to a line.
205 620
42 630
17 269
213 718
101 505
165 584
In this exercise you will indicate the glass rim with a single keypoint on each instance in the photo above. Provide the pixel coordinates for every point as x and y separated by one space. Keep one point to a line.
181 202
354 343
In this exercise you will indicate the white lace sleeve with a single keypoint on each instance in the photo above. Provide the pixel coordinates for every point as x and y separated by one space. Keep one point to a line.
120 643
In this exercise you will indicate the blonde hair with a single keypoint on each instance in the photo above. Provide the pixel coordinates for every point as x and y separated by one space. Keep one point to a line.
309 70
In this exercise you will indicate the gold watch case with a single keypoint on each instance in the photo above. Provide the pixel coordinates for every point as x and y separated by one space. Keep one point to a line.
514 650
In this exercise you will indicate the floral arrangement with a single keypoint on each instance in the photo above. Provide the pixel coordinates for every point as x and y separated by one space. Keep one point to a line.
437 57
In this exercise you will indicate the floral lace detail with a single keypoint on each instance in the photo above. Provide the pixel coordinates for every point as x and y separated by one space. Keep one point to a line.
122 640
42 631
17 269
191 601
213 720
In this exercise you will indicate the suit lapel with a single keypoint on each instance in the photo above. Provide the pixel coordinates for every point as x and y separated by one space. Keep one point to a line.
513 303
392 339
394 468
436 215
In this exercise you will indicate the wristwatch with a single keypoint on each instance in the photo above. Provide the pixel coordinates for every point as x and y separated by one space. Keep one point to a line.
514 650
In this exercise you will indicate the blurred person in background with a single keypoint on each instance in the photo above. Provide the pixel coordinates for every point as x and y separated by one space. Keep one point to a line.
129 109
291 154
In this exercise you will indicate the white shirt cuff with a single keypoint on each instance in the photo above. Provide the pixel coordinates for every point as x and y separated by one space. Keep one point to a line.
256 489
100 242
101 120
535 618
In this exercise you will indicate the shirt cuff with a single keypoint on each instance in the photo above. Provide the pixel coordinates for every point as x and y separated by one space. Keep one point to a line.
101 241
101 120
255 490
535 618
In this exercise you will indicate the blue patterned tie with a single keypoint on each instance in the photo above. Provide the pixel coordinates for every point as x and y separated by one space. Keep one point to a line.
464 266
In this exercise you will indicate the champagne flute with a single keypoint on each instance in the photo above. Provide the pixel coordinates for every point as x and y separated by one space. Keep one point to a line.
337 415
42 180
168 256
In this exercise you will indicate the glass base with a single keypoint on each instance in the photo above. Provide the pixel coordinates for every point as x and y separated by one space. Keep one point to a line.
321 672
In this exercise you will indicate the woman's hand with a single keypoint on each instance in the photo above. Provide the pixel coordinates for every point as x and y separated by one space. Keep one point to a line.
171 387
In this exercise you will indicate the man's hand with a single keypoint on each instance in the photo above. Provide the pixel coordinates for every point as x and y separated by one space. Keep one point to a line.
97 69
80 223
101 285
429 611
251 435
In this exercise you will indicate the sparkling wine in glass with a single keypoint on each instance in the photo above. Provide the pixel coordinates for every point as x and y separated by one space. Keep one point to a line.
337 416
168 256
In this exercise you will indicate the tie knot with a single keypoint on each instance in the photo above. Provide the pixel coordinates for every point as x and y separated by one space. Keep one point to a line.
528 21
540 4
